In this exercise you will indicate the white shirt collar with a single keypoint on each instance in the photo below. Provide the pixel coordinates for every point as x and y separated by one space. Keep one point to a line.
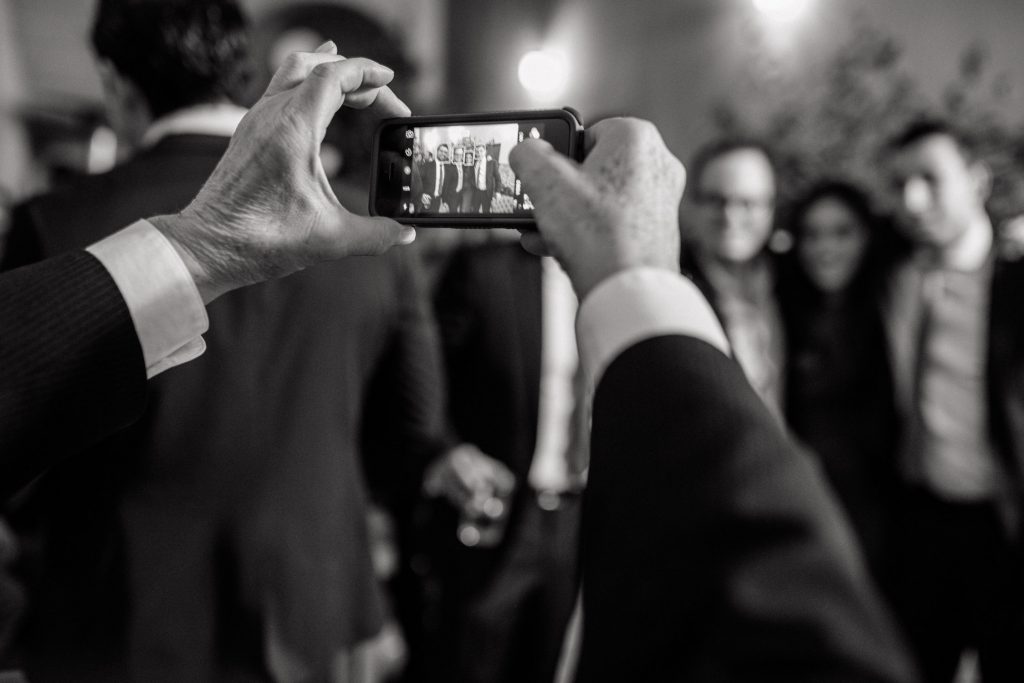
970 252
201 119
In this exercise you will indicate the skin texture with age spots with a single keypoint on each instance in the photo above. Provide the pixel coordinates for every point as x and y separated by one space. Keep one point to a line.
616 210
268 210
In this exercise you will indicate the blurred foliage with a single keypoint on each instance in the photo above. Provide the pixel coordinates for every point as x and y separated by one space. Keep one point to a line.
837 123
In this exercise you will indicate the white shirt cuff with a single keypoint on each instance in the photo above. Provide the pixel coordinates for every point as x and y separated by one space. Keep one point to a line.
161 295
638 304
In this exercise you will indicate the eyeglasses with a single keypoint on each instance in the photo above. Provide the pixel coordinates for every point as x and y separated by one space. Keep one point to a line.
720 202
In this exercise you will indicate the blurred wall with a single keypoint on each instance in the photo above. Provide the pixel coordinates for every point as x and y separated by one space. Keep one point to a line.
672 60
13 146
667 60
46 63
53 40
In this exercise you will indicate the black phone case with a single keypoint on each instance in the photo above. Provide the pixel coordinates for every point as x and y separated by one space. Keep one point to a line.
575 151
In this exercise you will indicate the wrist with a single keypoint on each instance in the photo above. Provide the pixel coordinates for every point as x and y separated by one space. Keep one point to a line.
188 235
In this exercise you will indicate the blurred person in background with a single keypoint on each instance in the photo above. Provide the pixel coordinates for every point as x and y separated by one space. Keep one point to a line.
839 395
953 317
451 179
500 521
732 201
225 534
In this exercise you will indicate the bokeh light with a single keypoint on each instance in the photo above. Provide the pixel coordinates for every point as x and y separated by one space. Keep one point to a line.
544 73
782 10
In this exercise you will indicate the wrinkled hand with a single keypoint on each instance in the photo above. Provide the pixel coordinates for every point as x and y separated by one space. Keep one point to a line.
268 210
616 210
468 478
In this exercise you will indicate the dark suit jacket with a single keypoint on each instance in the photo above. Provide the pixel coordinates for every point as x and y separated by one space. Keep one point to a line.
711 549
489 308
424 178
262 435
1004 362
840 403
691 268
450 186
71 368
1005 369
492 174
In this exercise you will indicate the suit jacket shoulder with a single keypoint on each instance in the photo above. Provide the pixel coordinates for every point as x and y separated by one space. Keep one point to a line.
161 179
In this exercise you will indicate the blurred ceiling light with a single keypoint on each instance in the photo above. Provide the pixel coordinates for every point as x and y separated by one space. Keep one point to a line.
781 10
544 73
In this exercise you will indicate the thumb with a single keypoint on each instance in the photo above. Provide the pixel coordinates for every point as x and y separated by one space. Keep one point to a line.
554 181
365 235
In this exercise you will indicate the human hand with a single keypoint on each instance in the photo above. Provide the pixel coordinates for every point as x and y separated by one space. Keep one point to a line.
469 479
616 210
268 209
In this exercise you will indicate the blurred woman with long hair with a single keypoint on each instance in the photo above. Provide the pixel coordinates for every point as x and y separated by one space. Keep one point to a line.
839 399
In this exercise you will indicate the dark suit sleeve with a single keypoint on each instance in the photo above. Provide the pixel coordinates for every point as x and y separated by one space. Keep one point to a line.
71 367
711 549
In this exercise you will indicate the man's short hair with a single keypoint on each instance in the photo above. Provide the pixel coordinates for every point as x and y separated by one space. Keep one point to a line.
178 53
919 129
719 148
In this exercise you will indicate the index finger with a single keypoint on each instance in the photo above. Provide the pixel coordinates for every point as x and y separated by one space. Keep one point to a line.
381 102
296 68
330 84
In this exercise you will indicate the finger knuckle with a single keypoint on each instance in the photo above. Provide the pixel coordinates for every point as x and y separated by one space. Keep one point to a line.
323 70
294 61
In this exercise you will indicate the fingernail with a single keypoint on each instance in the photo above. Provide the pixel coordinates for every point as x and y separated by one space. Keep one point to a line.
327 48
408 236
387 70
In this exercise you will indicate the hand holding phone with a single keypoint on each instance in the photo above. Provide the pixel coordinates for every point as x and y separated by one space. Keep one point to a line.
453 171
615 211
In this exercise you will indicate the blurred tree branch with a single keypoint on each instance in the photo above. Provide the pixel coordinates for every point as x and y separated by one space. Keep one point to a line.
836 123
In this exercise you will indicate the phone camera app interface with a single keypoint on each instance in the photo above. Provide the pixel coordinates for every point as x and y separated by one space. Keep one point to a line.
464 170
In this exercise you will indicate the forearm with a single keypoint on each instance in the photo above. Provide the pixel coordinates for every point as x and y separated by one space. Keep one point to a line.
71 366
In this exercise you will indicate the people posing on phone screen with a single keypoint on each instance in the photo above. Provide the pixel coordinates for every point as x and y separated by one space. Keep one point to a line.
428 180
486 179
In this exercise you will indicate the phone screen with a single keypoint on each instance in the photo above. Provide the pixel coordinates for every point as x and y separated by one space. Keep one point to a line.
456 171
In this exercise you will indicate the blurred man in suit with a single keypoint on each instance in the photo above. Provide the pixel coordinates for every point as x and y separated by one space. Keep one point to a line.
506 586
732 198
432 179
214 491
486 179
425 185
451 178
954 324
85 329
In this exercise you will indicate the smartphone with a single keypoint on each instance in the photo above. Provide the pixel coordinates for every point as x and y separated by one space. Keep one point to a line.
453 171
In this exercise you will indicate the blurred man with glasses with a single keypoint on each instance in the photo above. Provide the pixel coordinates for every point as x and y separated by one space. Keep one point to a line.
731 204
